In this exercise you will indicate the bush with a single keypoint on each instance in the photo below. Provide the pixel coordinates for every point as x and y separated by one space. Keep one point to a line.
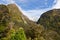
20 34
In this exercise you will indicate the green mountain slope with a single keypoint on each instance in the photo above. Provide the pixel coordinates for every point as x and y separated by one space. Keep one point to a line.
16 26
15 13
51 22
31 29
8 17
17 20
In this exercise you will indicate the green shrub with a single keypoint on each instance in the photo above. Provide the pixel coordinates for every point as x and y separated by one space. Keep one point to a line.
20 35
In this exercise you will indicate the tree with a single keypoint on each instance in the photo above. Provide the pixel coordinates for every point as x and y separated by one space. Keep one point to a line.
19 35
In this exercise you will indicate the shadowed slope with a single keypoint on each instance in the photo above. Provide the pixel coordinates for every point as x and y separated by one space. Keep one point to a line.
4 20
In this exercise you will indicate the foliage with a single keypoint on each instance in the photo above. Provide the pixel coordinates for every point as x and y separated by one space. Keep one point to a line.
16 26
4 20
51 21
20 35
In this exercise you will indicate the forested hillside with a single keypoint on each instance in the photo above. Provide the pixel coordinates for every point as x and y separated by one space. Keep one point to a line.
16 26
51 22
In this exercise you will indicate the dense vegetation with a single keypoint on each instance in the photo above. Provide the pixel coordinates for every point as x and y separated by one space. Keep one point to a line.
16 26
4 20
7 31
51 22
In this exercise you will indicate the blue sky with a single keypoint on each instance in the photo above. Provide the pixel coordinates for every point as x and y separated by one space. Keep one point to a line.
35 4
34 8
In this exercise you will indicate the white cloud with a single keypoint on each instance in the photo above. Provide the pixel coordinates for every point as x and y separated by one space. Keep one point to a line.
34 15
19 8
57 5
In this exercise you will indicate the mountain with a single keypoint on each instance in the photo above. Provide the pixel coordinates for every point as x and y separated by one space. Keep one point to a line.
51 22
14 21
30 27
16 26
10 21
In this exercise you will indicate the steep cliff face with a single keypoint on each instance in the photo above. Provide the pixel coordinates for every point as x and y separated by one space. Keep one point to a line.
51 21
